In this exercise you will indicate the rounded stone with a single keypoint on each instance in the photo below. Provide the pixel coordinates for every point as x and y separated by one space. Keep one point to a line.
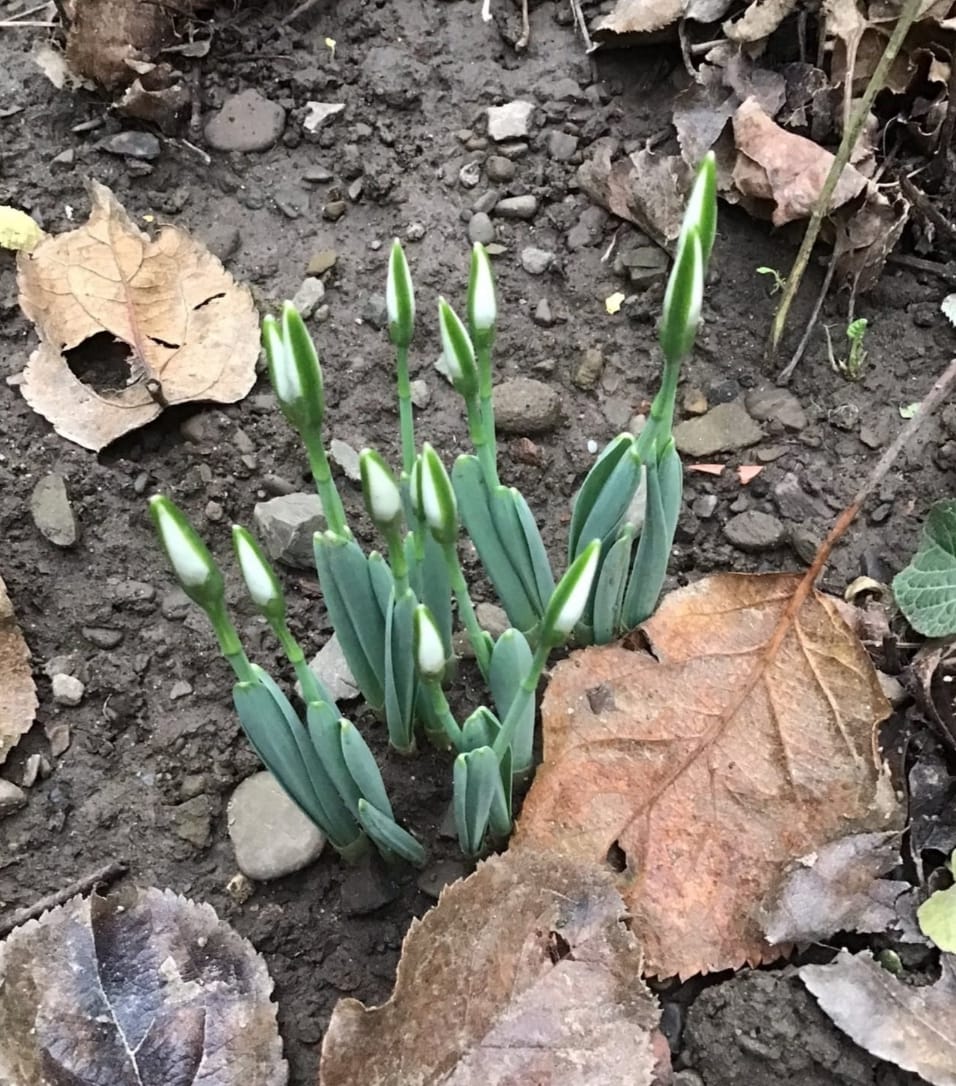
481 228
526 406
247 122
269 833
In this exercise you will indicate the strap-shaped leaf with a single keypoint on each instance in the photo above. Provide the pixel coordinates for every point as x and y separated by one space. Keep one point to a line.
353 605
507 522
479 780
400 678
436 589
670 470
363 768
594 514
389 836
473 506
510 665
541 565
609 589
480 729
650 561
323 727
500 813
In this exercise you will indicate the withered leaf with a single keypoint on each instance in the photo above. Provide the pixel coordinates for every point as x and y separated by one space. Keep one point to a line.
524 972
142 988
744 739
839 888
783 168
192 331
18 695
909 1025
759 20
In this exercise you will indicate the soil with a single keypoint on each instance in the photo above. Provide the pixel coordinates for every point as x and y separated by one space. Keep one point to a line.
145 777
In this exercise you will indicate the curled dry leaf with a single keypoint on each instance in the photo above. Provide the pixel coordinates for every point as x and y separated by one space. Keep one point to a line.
18 695
744 739
523 973
913 1027
934 671
839 888
141 987
191 330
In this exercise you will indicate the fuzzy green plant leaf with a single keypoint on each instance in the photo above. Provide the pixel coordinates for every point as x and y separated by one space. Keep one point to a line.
937 915
926 589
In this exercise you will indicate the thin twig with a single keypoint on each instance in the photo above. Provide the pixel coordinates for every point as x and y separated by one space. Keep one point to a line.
103 877
17 24
926 206
27 12
582 26
946 271
305 6
822 206
787 371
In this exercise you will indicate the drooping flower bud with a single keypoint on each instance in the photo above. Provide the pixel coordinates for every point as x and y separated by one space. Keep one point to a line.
294 369
458 350
429 649
482 303
683 298
261 582
399 298
437 497
570 596
192 563
383 500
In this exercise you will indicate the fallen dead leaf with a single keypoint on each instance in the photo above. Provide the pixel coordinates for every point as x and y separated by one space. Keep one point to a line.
759 20
744 739
143 986
526 972
934 671
839 888
909 1025
192 331
18 702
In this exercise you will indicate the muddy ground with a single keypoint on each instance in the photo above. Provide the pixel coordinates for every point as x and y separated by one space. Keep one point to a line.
146 776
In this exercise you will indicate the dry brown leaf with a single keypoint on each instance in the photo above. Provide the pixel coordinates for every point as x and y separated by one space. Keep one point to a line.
759 20
523 973
18 694
646 189
744 739
108 37
191 329
838 888
141 987
783 168
909 1025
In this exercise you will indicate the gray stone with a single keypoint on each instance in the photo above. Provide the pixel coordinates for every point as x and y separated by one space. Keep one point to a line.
500 169
704 506
102 637
644 266
794 503
334 210
367 887
481 229
12 798
766 404
517 207
347 459
562 146
511 121
492 618
269 833
67 690
469 175
247 122
536 261
192 821
317 113
286 525
331 668
222 240
588 370
542 315
175 605
438 875
141 145
180 689
308 296
421 393
723 429
526 406
52 512
588 230
375 311
322 261
755 531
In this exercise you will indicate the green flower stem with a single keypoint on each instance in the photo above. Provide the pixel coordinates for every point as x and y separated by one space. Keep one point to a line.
479 438
396 558
466 609
529 684
296 657
229 643
406 418
325 485
658 427
443 714
485 393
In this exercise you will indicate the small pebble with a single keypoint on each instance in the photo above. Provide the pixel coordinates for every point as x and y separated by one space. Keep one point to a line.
322 261
67 690
755 531
180 689
526 406
246 122
269 833
517 207
469 175
347 459
421 393
500 169
286 525
481 229
310 293
141 145
52 513
536 261
12 798
511 121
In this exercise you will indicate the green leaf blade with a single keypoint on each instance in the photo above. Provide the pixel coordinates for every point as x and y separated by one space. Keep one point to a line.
926 589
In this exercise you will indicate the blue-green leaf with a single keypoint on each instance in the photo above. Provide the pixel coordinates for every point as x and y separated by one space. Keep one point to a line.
480 781
500 813
363 767
326 736
480 729
593 493
609 589
510 665
389 836
650 561
400 678
926 589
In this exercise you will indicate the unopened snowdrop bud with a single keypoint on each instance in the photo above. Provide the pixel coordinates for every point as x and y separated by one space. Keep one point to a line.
437 497
399 298
701 210
192 563
429 649
571 596
482 303
294 369
458 350
415 487
261 582
383 500
683 298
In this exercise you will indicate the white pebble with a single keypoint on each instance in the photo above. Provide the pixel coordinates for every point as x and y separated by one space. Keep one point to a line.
592 446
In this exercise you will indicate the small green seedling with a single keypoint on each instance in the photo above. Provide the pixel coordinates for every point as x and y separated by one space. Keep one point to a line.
937 914
393 611
852 365
779 281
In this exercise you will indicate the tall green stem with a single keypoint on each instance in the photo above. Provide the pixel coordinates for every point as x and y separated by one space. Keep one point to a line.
406 418
325 485
658 427
479 438
466 610
396 559
529 684
485 393
229 644
443 714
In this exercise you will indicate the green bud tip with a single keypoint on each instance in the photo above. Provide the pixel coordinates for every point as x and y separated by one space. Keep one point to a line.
399 298
188 555
382 496
429 650
482 303
260 580
436 497
571 595
683 298
701 210
458 350
294 368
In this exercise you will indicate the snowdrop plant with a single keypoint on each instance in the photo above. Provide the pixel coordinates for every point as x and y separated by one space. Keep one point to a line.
393 610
